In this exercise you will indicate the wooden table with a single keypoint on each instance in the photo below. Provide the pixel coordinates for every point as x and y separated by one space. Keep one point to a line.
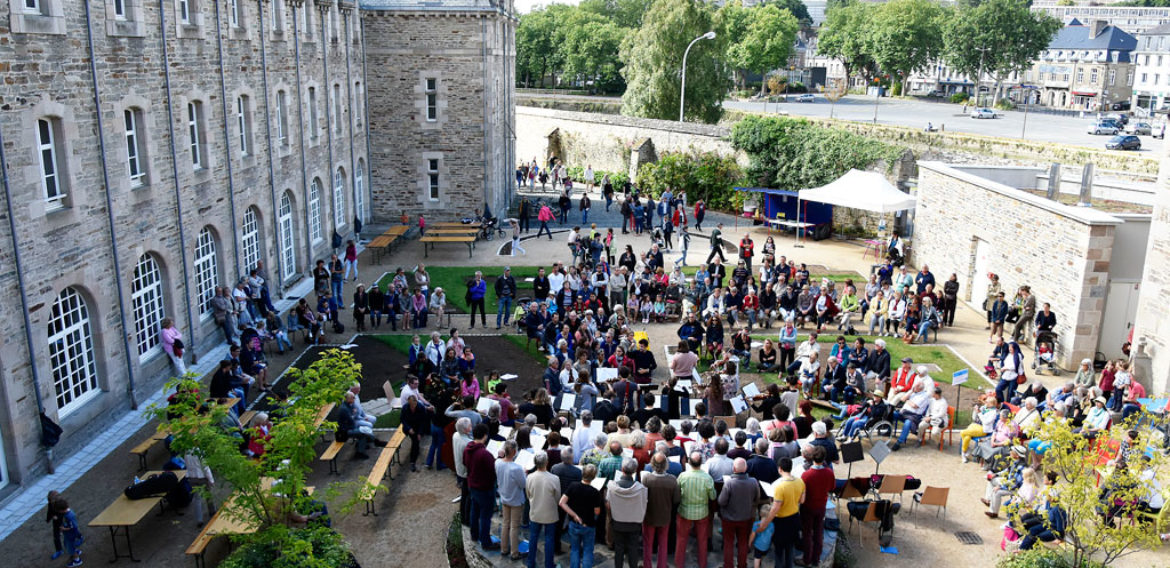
451 231
381 245
397 230
429 241
124 513
449 224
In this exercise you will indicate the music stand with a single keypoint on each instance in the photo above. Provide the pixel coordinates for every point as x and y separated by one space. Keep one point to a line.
879 452
850 453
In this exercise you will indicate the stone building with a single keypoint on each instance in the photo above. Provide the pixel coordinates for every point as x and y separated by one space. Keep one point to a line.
155 150
1086 67
1151 84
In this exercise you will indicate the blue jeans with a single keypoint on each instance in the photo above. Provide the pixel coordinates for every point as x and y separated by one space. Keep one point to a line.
544 229
581 539
585 217
550 542
504 310
437 438
1003 389
1129 409
420 319
923 329
282 342
483 504
909 421
854 425
337 291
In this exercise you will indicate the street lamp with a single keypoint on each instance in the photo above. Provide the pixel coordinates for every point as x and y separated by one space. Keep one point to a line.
979 76
683 92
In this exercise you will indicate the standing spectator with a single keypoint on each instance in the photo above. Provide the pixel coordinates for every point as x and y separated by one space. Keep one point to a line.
698 490
997 313
224 311
950 301
662 496
525 214
422 225
589 177
481 481
511 486
785 514
505 292
582 504
70 531
172 342
626 500
351 255
700 213
737 502
415 420
336 276
565 204
818 482
476 290
1027 306
361 307
747 250
584 205
544 216
515 227
459 442
438 305
544 491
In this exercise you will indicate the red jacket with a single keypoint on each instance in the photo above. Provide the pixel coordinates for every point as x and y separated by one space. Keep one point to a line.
545 214
481 467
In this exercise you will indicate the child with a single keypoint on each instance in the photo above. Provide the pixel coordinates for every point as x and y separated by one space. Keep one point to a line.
1046 354
422 225
405 218
51 515
761 543
646 306
660 309
71 532
493 379
632 306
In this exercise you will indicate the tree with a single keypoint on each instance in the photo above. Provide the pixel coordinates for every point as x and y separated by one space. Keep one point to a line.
905 35
733 20
796 8
766 42
998 37
1101 523
623 13
537 49
704 175
844 36
590 46
653 59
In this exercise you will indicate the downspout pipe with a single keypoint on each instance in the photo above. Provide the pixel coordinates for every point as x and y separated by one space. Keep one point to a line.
301 120
366 111
349 96
97 103
271 168
329 113
227 142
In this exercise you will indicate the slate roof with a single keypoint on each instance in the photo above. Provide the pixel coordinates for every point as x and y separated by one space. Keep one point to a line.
437 5
1112 38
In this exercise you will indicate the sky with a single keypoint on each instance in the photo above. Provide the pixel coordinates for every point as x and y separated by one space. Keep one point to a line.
526 6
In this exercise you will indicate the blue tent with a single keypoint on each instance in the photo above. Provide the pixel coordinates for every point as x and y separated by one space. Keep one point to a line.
783 202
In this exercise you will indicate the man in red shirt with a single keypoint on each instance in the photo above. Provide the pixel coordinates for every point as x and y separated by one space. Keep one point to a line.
747 249
818 482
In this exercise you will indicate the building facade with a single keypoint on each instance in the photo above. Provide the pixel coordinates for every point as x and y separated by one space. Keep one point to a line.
156 150
1086 67
1134 20
1151 59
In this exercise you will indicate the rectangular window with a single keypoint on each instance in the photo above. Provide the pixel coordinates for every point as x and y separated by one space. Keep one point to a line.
357 102
281 119
433 178
234 13
244 124
334 17
1159 61
133 149
313 120
185 11
50 168
32 6
194 130
277 15
337 109
1112 77
432 99
1145 78
120 9
1093 76
1080 75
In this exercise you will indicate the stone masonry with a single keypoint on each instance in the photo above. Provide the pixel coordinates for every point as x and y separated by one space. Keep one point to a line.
1151 334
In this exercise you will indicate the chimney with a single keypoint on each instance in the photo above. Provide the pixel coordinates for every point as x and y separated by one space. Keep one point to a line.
1096 27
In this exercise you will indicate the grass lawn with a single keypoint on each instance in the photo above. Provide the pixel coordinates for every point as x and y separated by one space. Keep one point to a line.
521 342
401 344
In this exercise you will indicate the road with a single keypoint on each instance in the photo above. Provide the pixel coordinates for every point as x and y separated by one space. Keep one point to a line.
916 114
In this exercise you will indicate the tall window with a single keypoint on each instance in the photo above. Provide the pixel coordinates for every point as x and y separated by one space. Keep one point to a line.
1080 75
250 239
32 6
315 211
244 124
432 99
1093 76
313 120
433 178
281 118
120 9
185 11
135 169
71 352
146 299
359 190
50 153
1112 77
288 255
337 108
339 198
195 131
206 270
234 13
357 103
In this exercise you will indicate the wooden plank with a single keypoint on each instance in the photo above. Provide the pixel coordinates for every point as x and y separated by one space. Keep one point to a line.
445 239
332 451
247 417
381 241
449 224
323 414
124 512
397 230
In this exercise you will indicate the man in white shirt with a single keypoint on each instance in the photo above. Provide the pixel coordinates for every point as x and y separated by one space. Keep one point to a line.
715 305
459 442
435 349
411 389
556 280
617 287
803 351
912 412
936 415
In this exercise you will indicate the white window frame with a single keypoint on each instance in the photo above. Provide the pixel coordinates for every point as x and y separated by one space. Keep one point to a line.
50 157
194 132
281 118
185 12
146 299
431 88
206 271
71 352
315 234
288 250
433 178
359 204
120 9
243 124
338 198
250 238
337 112
314 120
33 7
135 157
234 13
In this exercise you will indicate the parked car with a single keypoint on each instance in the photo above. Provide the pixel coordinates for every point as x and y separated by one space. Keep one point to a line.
805 98
1104 127
1120 117
1126 142
983 113
1139 128
1120 105
936 93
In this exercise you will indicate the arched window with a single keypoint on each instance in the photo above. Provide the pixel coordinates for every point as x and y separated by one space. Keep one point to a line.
71 352
206 270
315 211
338 198
146 292
250 239
359 191
288 255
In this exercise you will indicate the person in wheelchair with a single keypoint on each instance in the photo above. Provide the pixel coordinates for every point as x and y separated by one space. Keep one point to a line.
873 411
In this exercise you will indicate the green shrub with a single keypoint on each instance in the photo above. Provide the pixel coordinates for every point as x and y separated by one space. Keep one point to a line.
617 178
1040 558
797 87
960 97
1005 104
314 546
707 176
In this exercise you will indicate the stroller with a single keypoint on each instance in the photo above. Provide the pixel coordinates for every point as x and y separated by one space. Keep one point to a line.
1045 356
489 225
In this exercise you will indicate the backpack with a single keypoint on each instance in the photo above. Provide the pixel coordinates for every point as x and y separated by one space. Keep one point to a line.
180 495
338 327
157 484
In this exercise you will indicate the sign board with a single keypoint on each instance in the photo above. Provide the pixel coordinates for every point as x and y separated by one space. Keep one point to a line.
960 377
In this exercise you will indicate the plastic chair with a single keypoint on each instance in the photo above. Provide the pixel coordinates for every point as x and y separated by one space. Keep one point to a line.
948 432
892 485
936 496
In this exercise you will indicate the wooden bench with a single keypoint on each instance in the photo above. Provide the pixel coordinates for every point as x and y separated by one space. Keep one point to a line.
456 225
381 245
124 513
141 450
322 414
247 417
444 231
224 525
429 242
199 546
382 469
330 455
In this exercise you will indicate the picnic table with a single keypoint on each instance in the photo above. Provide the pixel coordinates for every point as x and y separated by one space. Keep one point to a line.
452 231
429 241
124 513
381 245
456 224
143 449
396 231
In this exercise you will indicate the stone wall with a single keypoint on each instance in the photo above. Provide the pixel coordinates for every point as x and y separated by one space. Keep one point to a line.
1152 329
1062 252
214 65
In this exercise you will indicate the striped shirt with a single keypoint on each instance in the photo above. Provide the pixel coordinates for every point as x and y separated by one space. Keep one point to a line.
698 489
609 467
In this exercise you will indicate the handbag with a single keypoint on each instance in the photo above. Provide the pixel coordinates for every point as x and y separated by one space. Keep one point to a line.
177 347
1013 315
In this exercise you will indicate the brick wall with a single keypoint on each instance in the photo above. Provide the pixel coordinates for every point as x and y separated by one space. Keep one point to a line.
1153 313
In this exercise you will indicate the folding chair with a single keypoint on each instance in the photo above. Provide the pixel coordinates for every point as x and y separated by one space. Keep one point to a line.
948 432
391 398
849 492
892 485
871 516
936 496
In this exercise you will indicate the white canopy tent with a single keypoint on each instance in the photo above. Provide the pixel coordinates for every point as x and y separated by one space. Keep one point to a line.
861 190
